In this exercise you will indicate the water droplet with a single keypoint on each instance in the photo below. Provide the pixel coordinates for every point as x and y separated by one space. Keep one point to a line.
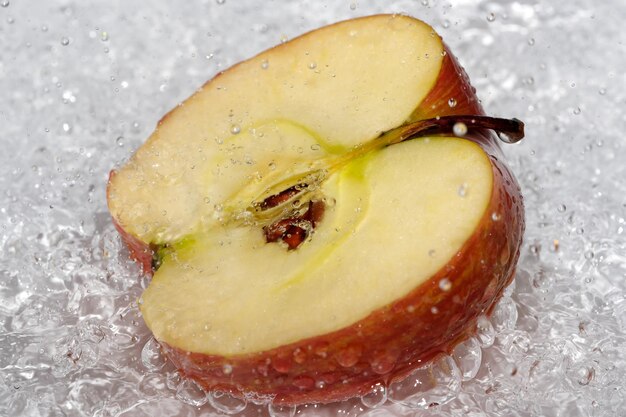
468 357
265 64
445 284
459 129
120 141
190 393
312 65
495 216
376 397
235 129
462 190
485 331
226 403
65 41
349 356
303 382
151 357
491 17
506 138
432 385
104 36
5 3
315 147
434 310
452 102
276 410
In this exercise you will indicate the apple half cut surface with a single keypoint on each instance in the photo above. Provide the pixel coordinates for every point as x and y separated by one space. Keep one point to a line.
324 217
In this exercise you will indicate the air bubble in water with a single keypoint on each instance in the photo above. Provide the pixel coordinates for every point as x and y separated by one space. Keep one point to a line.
220 1
459 129
65 41
352 6
312 65
577 111
462 190
531 41
5 3
226 403
120 141
505 137
104 36
452 102
265 64
491 17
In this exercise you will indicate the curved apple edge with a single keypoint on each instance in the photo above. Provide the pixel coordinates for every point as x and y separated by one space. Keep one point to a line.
139 251
393 341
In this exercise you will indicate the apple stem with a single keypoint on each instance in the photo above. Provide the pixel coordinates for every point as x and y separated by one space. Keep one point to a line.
508 130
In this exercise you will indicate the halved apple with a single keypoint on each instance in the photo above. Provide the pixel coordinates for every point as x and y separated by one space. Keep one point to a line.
313 224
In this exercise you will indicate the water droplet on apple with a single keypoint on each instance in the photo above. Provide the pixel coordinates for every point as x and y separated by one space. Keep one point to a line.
299 356
452 102
462 190
384 362
376 397
432 253
265 64
349 356
235 129
227 369
506 138
303 382
491 17
65 41
226 403
459 129
434 310
312 65
495 216
276 410
315 147
445 284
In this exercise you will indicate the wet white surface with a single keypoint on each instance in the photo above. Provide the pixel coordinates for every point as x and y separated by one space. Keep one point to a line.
82 85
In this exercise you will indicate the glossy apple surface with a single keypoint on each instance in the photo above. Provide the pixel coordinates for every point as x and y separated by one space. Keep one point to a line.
310 237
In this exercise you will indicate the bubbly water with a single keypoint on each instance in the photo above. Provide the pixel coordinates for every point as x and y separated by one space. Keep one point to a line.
82 84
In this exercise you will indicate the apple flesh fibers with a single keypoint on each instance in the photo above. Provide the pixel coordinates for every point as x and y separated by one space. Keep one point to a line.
415 233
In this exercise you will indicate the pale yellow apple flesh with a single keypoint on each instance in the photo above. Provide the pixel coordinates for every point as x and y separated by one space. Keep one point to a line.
399 216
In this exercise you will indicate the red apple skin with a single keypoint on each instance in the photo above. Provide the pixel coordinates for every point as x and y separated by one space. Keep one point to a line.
391 342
